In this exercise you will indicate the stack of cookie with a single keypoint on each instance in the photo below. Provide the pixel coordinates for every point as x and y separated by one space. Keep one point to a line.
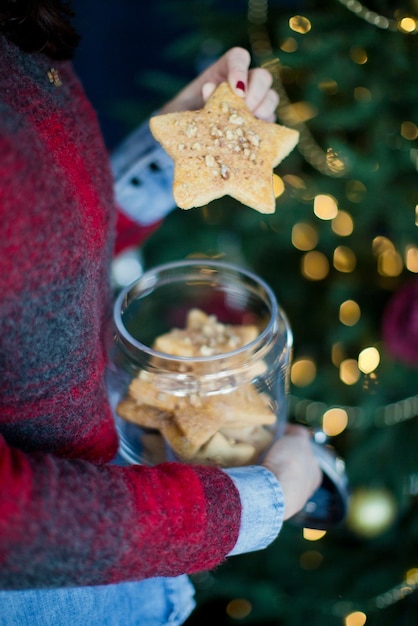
230 427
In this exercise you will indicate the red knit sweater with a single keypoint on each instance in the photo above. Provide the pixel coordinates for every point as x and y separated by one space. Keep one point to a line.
67 517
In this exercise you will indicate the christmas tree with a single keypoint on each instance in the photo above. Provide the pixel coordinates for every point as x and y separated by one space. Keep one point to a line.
341 254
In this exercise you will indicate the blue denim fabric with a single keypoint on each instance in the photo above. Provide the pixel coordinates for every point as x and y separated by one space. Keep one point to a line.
153 602
262 505
156 601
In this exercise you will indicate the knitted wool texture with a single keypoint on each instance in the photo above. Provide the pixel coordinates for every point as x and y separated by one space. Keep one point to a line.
67 517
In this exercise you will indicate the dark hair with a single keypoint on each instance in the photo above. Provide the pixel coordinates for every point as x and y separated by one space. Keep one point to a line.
39 25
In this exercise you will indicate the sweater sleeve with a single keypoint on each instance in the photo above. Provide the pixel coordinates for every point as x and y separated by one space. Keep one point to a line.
67 516
72 522
143 177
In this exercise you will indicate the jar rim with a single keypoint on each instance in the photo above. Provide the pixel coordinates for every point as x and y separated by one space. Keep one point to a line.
275 310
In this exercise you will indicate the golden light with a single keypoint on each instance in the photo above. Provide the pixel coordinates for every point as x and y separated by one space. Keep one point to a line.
349 371
334 161
342 224
289 45
389 263
358 55
380 244
411 576
330 86
298 112
311 559
238 608
356 618
278 185
304 236
311 534
337 354
355 191
334 421
344 259
303 372
300 24
411 258
368 360
408 25
325 206
362 94
371 511
315 265
409 130
295 181
350 313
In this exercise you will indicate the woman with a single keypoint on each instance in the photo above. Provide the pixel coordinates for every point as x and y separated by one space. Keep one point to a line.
83 540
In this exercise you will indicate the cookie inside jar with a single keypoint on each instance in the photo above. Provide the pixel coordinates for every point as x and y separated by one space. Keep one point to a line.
228 423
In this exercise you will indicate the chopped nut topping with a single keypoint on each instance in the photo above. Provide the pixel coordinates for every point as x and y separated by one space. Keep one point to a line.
206 351
196 146
209 160
224 172
191 130
181 146
236 119
254 138
225 107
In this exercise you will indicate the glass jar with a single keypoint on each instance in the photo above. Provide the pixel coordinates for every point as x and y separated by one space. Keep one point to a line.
200 365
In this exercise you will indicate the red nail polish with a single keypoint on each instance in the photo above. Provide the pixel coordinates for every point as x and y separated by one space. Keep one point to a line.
240 85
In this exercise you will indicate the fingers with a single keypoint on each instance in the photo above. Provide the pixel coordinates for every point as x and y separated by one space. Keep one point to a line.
207 90
255 85
237 62
261 99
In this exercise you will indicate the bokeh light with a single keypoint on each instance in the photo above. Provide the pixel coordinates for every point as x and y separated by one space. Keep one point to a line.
303 372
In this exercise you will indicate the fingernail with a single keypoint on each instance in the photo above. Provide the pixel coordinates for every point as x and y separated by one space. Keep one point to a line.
240 86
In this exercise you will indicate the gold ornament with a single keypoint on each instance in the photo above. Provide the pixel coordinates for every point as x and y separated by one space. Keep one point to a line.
371 511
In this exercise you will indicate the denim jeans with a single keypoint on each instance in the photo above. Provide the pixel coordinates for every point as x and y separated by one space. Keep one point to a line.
152 602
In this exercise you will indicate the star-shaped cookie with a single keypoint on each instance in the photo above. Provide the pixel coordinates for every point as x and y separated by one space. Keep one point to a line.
221 150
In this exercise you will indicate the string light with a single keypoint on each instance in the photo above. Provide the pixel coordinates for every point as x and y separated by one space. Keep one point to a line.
357 618
263 50
344 259
303 372
407 25
325 207
304 236
350 313
349 371
310 560
311 534
315 265
411 258
239 608
390 261
334 421
342 224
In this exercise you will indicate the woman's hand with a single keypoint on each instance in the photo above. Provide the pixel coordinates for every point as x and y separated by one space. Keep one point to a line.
233 67
292 461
